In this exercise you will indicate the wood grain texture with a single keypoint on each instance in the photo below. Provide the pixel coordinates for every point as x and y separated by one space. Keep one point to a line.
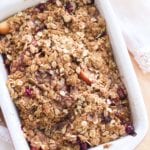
144 81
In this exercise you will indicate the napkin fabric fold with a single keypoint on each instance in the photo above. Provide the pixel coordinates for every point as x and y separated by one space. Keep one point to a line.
133 18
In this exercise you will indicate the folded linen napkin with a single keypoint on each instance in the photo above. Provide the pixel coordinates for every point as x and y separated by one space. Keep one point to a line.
133 18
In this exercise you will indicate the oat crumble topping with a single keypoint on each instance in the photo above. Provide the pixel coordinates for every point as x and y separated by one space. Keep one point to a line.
62 76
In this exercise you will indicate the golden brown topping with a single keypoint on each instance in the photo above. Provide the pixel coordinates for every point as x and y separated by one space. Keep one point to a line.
67 18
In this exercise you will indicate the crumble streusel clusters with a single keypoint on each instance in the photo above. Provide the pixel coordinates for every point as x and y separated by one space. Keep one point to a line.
63 78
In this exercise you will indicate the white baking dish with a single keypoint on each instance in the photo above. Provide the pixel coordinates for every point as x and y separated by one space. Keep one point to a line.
122 58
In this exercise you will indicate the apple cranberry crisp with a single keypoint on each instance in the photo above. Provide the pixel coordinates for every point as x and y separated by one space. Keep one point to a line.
62 76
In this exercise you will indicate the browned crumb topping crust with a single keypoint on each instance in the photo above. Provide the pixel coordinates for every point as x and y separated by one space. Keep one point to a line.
63 78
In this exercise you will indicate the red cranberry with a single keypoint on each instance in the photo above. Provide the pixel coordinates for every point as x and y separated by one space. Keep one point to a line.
28 91
70 7
34 148
121 117
121 93
52 1
41 7
83 145
114 101
40 28
105 119
130 130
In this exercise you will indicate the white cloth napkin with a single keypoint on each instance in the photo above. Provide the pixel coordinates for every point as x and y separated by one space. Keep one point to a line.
133 17
4 134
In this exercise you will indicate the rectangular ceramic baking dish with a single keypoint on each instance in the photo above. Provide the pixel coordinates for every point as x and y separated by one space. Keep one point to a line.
122 58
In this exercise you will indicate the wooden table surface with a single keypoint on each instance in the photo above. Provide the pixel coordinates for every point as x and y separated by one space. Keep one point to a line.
144 81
